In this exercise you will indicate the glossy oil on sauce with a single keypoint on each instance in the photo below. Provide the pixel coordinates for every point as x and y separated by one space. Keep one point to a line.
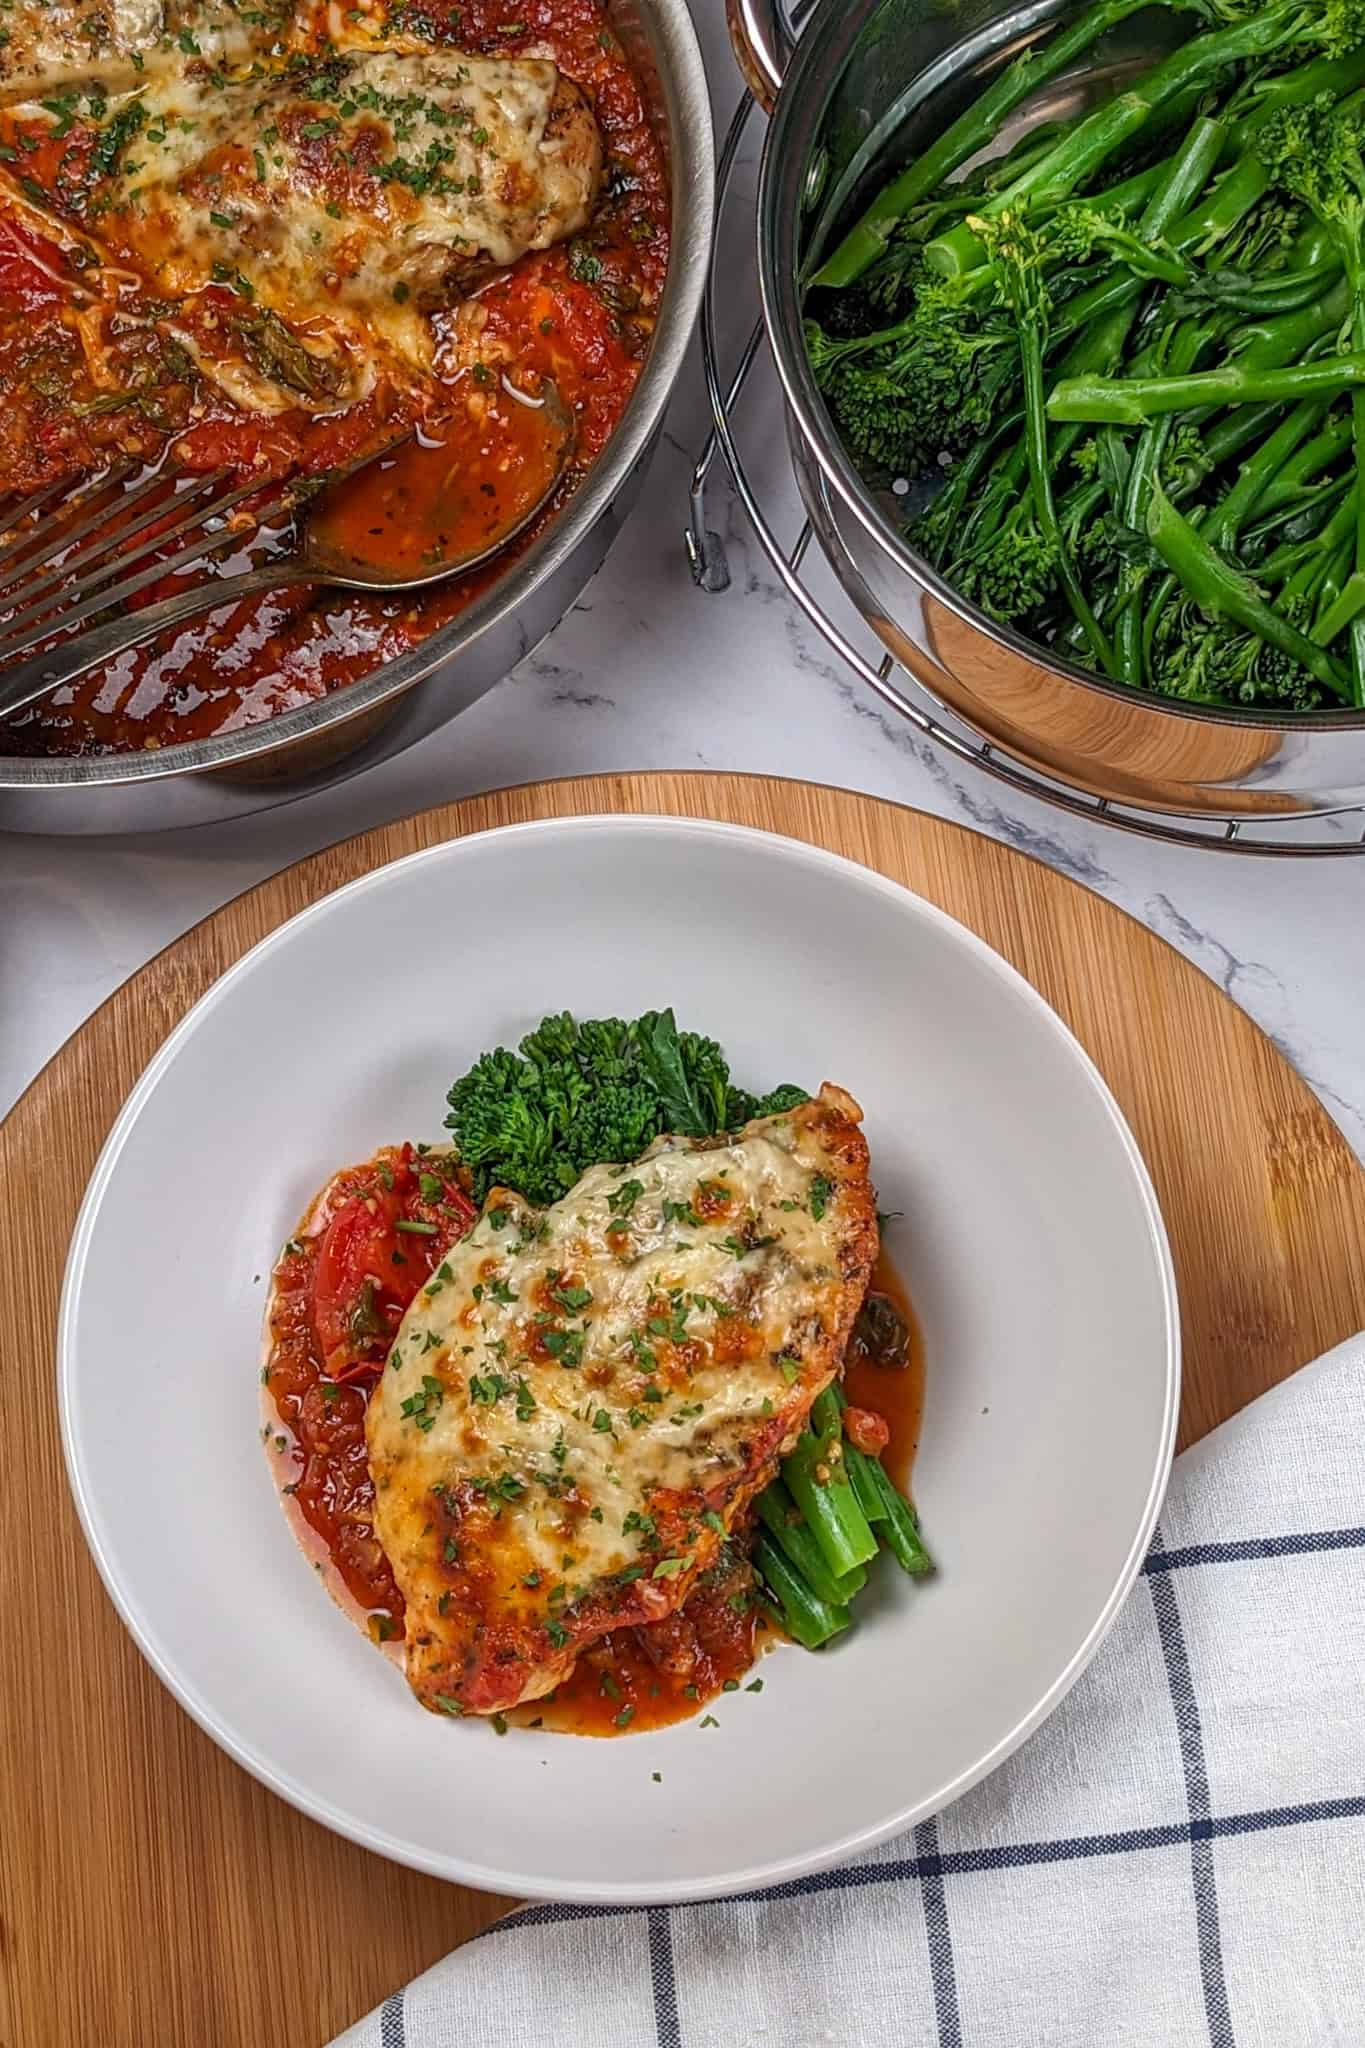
894 1391
457 489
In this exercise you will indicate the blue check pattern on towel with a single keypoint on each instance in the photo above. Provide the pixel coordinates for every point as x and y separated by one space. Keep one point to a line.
1176 1860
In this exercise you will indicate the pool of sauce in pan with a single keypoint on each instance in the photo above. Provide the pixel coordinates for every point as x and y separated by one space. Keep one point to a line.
452 492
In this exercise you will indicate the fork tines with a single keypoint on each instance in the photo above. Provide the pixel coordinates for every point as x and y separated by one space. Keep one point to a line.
69 553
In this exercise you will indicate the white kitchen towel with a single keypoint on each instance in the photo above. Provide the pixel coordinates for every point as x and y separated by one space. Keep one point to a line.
1176 1859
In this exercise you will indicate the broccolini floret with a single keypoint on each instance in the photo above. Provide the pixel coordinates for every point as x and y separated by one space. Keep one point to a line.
581 1092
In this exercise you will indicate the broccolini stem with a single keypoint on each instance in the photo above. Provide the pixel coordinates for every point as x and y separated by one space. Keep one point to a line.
1286 337
1185 175
1303 520
779 1515
1134 401
1345 604
1287 291
1229 203
808 1619
1283 561
867 238
1237 504
1040 485
949 507
1241 428
1357 642
1143 473
901 1526
1222 591
1298 336
829 1505
1081 153
1300 469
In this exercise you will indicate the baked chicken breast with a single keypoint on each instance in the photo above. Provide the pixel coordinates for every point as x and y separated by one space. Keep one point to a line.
357 192
52 45
582 1400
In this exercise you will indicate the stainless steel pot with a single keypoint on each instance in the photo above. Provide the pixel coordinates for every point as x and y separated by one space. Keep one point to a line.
371 720
867 85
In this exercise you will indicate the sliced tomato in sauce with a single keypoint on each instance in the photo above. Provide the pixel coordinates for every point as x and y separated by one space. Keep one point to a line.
377 1249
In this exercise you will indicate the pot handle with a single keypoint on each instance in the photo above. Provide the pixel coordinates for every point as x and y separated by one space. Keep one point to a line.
763 43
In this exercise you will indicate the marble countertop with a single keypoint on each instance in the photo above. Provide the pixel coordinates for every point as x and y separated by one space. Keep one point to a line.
650 672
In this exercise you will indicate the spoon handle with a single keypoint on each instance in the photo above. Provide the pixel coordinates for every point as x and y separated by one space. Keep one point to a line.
31 680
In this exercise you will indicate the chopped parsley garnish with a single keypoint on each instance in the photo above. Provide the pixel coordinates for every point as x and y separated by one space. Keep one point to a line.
821 1188
623 1199
565 1345
574 1299
557 1633
416 1228
668 1567
625 1717
644 1356
423 1408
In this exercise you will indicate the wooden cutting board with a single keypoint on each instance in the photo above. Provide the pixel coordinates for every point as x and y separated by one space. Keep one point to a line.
153 1894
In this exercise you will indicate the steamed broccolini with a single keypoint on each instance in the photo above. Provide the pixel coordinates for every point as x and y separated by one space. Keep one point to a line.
1088 354
580 1092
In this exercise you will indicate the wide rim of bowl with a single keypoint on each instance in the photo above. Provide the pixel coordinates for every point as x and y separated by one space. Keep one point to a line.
499 1878
819 60
682 77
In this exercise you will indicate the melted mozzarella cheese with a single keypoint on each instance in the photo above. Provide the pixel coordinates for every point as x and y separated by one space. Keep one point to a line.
596 1390
52 45
361 191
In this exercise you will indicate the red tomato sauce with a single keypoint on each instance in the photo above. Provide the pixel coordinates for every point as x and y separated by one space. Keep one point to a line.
890 1381
581 314
639 1678
339 1290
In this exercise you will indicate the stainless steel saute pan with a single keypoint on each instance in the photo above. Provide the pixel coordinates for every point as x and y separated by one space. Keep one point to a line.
388 710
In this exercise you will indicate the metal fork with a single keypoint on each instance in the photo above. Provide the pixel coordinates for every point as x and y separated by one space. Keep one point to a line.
70 560
68 556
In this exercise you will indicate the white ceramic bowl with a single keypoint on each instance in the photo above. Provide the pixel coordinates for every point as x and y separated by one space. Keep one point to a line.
1029 1236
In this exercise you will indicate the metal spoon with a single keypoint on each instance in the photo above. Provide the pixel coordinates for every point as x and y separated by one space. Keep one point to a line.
414 513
